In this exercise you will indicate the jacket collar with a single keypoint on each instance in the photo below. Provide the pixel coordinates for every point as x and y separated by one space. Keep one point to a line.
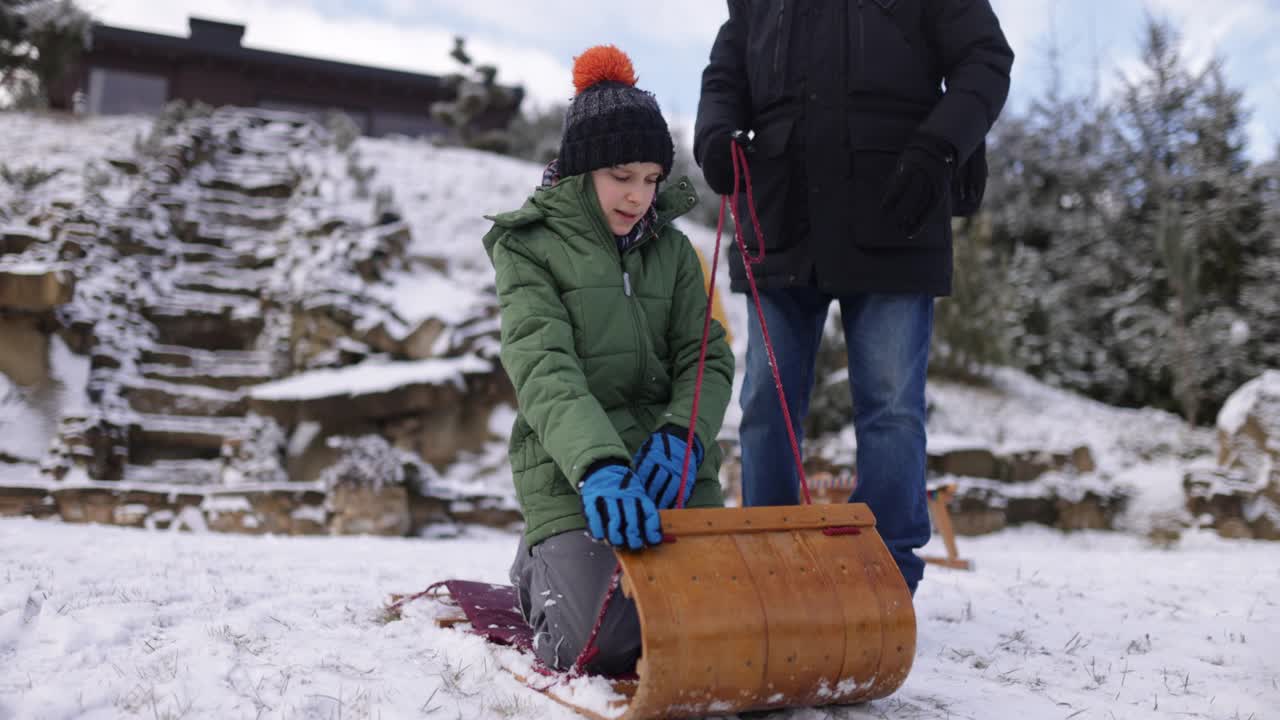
573 201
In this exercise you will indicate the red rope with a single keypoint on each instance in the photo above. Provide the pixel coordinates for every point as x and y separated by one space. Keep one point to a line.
740 157
702 359
589 650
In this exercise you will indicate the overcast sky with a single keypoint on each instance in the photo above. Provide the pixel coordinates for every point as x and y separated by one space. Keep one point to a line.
533 43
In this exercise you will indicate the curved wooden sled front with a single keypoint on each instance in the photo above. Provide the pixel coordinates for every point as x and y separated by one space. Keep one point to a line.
758 608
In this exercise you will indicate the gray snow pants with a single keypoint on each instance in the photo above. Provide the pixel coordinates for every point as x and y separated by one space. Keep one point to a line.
561 584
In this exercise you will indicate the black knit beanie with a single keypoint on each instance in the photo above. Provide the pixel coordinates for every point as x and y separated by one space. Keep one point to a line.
610 121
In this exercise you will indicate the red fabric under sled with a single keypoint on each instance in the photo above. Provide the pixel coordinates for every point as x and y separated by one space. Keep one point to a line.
494 614
493 611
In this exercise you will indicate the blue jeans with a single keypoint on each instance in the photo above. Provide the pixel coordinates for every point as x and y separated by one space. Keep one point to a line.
887 337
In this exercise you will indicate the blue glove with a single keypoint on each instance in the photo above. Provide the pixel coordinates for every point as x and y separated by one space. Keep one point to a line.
660 461
617 508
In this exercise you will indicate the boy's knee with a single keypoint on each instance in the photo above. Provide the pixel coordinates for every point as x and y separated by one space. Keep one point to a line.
616 656
554 649
558 644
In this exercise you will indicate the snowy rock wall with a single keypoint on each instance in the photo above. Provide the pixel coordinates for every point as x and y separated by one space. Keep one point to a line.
236 293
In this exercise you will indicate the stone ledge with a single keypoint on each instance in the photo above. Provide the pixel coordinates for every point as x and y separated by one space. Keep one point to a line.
391 511
36 291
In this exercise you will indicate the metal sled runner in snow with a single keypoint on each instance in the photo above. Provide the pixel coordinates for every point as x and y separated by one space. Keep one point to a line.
770 607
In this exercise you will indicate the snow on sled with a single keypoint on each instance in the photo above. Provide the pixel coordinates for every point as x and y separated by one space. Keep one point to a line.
746 609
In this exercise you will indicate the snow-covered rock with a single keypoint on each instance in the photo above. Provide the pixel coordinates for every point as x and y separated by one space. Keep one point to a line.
1241 496
241 296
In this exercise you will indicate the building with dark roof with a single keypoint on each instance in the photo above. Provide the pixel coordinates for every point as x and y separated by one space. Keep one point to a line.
130 71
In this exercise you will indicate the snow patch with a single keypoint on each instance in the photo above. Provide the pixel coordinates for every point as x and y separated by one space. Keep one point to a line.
1235 412
370 377
313 513
226 504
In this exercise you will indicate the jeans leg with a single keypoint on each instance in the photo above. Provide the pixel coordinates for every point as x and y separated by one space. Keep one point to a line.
795 318
888 342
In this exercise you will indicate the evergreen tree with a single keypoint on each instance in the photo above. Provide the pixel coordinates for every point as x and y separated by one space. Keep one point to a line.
1257 333
1137 248
972 327
1191 212
477 95
1049 216
535 133
39 41
13 45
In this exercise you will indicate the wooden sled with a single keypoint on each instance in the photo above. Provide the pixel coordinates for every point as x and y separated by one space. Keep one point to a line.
746 609
767 607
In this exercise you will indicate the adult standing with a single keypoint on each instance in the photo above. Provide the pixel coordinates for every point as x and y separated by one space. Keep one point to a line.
859 156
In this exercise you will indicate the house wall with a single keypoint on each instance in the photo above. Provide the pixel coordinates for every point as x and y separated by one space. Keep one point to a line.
118 76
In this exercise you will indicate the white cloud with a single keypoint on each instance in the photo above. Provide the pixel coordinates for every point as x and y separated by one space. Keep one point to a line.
1024 23
681 22
1217 28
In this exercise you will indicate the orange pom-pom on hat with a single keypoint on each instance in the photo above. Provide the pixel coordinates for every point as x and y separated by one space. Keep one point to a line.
610 121
602 63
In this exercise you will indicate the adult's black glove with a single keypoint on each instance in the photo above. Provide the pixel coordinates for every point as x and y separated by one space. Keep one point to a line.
920 184
717 160
970 184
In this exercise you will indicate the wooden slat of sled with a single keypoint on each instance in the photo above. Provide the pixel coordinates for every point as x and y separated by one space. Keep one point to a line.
804 619
704 613
897 619
756 608
718 521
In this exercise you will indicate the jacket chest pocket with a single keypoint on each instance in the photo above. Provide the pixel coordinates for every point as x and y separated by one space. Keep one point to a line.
767 50
888 48
906 16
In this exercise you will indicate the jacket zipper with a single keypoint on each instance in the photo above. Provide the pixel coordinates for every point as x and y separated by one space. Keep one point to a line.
636 320
637 323
777 45
862 45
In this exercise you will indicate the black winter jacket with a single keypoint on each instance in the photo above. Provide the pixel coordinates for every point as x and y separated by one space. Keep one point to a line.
834 90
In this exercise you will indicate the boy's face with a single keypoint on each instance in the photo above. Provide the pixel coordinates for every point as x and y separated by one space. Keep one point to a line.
626 192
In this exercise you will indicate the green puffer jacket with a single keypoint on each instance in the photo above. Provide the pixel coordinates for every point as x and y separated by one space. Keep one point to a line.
602 348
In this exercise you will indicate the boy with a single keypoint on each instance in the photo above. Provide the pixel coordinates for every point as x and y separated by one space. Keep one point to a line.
602 302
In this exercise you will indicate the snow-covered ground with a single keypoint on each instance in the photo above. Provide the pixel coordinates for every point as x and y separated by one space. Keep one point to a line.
70 148
101 622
